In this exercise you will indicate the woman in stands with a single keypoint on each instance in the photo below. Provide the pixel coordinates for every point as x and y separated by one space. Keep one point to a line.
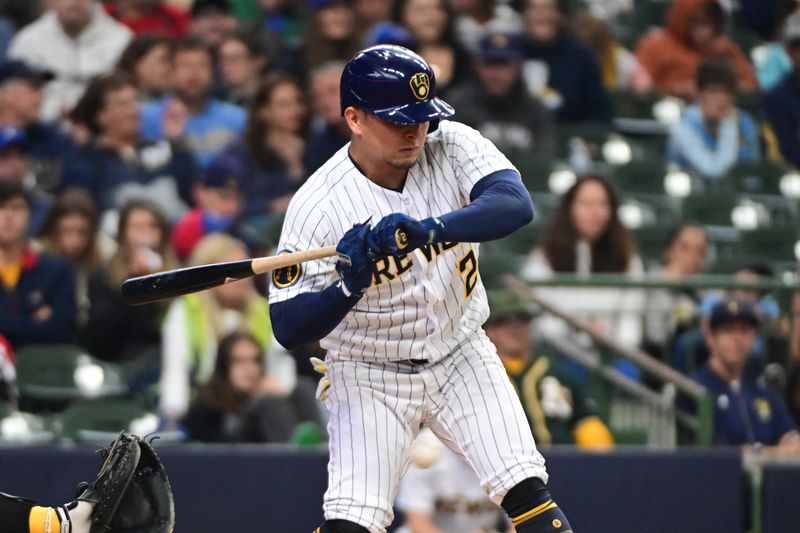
243 402
195 323
268 158
585 238
670 312
115 330
147 59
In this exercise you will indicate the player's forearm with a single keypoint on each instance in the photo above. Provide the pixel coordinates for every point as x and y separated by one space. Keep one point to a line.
310 316
500 205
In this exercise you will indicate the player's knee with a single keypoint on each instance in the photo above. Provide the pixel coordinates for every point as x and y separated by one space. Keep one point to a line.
341 526
532 510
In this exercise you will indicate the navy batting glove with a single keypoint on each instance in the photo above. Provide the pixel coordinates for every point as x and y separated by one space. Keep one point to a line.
397 234
355 259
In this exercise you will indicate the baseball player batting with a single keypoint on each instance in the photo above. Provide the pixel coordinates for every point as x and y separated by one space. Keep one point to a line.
400 310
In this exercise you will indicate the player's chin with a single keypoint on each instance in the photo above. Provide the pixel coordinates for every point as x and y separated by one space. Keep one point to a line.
404 162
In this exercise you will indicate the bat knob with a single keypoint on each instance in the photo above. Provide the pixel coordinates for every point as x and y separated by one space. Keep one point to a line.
401 238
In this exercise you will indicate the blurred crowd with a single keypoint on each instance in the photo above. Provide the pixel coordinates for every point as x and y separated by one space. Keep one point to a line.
142 135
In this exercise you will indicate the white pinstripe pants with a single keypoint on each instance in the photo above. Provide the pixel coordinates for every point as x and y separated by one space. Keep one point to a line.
377 409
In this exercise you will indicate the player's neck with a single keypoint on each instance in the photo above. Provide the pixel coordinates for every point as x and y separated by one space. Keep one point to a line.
378 172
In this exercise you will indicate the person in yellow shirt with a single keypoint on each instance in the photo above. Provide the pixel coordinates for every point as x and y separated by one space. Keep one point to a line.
557 407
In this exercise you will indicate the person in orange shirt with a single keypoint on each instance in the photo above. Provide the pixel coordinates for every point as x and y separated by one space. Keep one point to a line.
693 32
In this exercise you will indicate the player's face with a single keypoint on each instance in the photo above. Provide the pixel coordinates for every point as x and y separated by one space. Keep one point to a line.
395 146
591 211
731 343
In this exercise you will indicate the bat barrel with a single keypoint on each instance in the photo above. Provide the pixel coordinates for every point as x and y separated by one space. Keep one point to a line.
155 287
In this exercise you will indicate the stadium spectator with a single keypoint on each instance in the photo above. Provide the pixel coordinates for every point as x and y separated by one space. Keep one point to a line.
116 331
782 103
74 39
772 343
268 158
116 164
370 13
243 402
559 69
195 324
21 97
37 292
499 105
670 312
281 20
206 124
713 134
150 17
211 21
70 231
621 70
586 237
445 496
746 412
329 130
693 32
218 198
331 33
15 168
148 60
770 60
475 18
557 407
431 25
242 59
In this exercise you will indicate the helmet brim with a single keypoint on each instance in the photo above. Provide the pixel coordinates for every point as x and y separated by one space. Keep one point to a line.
417 112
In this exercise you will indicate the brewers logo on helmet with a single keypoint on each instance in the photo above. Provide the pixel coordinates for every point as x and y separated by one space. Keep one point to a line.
378 79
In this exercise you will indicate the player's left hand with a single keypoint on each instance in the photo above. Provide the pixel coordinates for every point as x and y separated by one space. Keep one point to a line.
397 234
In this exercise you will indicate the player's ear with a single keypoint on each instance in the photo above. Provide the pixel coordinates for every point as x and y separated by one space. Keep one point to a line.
355 119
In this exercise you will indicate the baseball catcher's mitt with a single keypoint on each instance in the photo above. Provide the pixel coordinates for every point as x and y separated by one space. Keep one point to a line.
131 490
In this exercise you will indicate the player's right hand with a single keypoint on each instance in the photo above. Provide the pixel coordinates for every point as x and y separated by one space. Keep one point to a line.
355 259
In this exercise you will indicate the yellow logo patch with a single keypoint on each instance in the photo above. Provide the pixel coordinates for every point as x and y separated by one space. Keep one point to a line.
286 276
556 522
420 85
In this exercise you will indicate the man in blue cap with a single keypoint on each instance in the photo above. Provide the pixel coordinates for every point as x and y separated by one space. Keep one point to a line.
21 97
15 168
746 412
498 103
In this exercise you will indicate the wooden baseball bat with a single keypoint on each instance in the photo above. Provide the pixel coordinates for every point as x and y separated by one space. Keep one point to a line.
171 283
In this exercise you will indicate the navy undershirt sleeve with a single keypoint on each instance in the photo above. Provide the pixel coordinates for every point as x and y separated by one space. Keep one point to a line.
310 316
499 205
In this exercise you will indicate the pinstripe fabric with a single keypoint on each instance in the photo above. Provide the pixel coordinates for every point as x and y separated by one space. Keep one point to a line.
429 305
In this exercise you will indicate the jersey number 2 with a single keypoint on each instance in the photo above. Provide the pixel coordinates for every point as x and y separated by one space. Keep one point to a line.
468 266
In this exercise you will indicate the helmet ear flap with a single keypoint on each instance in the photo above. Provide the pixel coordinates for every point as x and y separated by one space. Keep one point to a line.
434 125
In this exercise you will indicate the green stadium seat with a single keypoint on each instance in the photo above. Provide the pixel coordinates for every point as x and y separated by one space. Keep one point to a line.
534 171
628 104
98 420
773 244
760 178
49 378
639 177
709 208
593 134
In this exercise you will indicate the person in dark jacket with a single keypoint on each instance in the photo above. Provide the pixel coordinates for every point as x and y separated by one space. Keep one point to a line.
499 105
782 103
560 69
241 403
37 292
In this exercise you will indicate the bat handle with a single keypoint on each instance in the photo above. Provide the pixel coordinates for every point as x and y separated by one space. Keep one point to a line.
401 238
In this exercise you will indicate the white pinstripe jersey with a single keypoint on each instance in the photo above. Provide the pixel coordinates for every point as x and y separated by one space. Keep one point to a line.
420 305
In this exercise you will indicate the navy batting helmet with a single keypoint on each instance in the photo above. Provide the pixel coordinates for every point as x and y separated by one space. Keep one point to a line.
393 83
